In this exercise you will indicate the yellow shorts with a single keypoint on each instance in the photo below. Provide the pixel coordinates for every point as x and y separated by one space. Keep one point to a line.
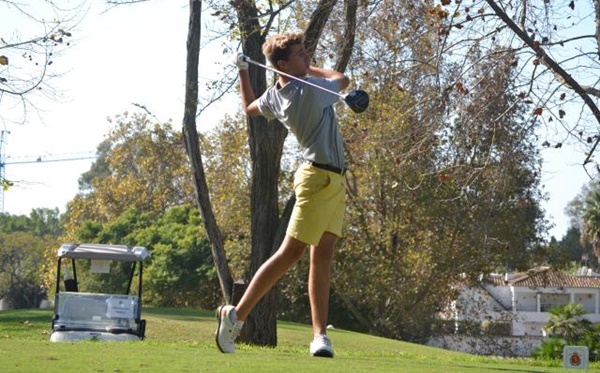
320 204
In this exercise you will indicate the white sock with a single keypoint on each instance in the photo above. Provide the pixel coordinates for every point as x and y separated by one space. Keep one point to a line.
234 319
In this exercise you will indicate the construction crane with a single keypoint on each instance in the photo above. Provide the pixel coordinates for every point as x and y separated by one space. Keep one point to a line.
65 157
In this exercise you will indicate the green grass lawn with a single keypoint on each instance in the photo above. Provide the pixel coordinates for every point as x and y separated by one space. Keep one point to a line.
183 341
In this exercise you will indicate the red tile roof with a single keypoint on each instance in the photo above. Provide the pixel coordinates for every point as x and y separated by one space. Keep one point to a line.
541 277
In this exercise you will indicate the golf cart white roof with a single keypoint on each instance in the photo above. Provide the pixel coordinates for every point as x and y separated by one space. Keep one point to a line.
121 253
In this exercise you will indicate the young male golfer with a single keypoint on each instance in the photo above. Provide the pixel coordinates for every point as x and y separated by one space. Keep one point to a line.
319 183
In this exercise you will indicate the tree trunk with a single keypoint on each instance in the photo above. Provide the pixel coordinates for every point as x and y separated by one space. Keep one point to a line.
190 134
266 147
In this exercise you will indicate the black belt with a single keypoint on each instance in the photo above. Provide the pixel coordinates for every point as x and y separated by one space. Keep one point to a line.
337 170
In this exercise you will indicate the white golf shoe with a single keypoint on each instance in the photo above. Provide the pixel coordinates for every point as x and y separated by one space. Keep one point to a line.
321 346
228 329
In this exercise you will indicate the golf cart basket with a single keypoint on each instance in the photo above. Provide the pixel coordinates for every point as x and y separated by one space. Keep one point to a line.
92 315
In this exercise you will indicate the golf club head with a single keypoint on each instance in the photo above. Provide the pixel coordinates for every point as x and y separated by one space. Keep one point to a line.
357 101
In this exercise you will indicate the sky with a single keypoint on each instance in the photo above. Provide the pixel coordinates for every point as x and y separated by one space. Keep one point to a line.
129 54
136 54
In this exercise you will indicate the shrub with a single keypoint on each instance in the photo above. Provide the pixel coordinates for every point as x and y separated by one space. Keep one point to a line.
550 349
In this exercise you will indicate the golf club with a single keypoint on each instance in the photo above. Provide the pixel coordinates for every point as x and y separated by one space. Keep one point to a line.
357 100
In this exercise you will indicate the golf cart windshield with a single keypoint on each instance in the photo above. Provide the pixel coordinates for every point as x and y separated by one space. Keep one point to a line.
101 312
110 306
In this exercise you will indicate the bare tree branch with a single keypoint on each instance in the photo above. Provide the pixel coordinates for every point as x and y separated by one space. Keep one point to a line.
597 18
28 62
561 75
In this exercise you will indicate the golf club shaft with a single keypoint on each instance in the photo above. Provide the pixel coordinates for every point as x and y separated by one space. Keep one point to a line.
293 77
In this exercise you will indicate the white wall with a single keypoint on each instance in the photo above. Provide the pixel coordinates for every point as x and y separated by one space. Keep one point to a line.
526 301
497 346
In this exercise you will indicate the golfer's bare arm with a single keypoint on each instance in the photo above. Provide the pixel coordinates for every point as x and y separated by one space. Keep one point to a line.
249 104
337 76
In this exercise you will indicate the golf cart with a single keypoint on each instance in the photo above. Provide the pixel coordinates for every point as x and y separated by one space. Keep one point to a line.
114 315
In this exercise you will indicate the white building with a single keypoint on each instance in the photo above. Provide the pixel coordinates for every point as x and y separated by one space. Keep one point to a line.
510 311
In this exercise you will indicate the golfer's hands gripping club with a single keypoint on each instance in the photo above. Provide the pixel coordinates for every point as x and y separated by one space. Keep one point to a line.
240 61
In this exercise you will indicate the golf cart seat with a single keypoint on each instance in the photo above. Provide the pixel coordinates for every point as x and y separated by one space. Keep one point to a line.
98 316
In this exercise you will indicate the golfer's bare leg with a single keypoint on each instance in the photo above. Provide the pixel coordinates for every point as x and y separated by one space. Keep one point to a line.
319 280
268 274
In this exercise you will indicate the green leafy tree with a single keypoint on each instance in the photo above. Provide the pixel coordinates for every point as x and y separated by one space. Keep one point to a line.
591 221
41 222
179 272
121 230
440 174
14 223
592 340
21 257
570 245
493 159
227 163
100 168
444 167
554 254
140 155
46 222
142 166
581 211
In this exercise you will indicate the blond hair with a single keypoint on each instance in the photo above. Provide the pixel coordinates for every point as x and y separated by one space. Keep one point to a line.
277 47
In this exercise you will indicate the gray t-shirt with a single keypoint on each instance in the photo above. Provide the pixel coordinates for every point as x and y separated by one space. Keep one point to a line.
308 113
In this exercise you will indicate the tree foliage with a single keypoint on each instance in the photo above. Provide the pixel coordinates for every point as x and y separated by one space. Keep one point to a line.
444 166
575 252
443 179
21 257
26 243
567 326
584 214
228 178
138 193
182 273
179 272
551 46
139 175
41 222
144 168
591 221
568 322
